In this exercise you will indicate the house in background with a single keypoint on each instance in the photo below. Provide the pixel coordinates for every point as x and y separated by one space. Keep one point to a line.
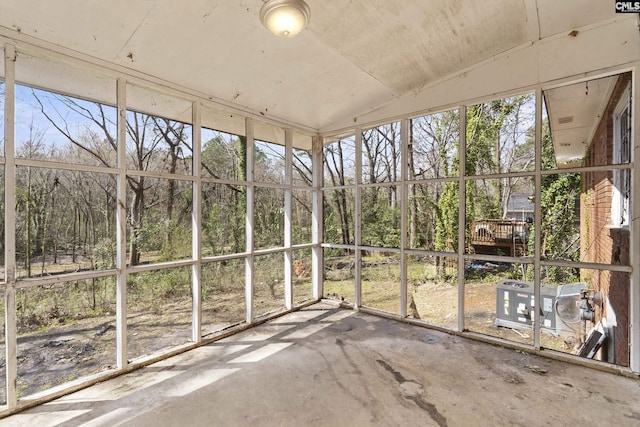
599 119
605 217
520 207
358 68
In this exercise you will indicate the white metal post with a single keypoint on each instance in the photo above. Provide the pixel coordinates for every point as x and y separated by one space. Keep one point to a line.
462 211
11 338
358 221
248 273
196 227
288 197
121 221
317 259
404 191
537 222
634 250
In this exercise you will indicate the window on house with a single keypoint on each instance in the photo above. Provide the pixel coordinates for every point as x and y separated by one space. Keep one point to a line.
622 155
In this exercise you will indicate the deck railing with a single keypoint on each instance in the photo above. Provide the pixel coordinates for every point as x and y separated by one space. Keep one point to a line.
500 233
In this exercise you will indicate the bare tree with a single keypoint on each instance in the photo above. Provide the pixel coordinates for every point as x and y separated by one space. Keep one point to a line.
433 147
152 144
334 160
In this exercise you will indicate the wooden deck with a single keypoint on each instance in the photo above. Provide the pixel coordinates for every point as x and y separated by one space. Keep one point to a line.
500 237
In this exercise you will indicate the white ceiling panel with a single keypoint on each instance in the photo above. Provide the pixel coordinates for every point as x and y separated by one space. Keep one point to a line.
557 17
356 59
66 78
408 44
94 27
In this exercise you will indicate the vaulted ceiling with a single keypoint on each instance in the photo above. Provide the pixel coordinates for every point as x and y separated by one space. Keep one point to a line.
357 60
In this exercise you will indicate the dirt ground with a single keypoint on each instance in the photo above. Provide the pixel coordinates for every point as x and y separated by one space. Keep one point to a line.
75 348
439 304
326 366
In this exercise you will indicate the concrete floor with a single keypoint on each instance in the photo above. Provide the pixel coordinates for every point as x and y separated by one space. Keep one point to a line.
326 366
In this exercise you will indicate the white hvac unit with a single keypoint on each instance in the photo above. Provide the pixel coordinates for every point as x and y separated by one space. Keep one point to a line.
560 312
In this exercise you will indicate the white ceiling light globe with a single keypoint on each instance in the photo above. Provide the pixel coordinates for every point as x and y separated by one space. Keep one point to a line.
284 18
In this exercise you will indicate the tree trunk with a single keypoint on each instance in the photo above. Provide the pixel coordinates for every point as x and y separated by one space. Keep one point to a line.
27 258
171 188
240 198
43 247
413 202
76 227
54 238
343 208
136 220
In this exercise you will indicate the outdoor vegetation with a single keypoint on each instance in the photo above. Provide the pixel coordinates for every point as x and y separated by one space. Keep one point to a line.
67 222
500 162
393 210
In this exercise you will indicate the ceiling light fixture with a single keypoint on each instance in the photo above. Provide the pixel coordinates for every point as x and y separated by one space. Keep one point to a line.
284 18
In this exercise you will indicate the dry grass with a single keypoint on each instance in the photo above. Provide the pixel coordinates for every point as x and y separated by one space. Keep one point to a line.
432 300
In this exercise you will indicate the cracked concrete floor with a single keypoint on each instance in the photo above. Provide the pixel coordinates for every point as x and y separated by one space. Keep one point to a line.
327 366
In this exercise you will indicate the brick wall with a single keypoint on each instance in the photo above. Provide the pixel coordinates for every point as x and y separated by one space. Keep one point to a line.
600 241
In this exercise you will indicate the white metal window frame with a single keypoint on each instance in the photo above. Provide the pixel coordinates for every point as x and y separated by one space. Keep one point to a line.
536 259
317 256
11 55
620 200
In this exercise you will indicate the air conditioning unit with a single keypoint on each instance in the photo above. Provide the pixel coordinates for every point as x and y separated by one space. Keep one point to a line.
515 307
